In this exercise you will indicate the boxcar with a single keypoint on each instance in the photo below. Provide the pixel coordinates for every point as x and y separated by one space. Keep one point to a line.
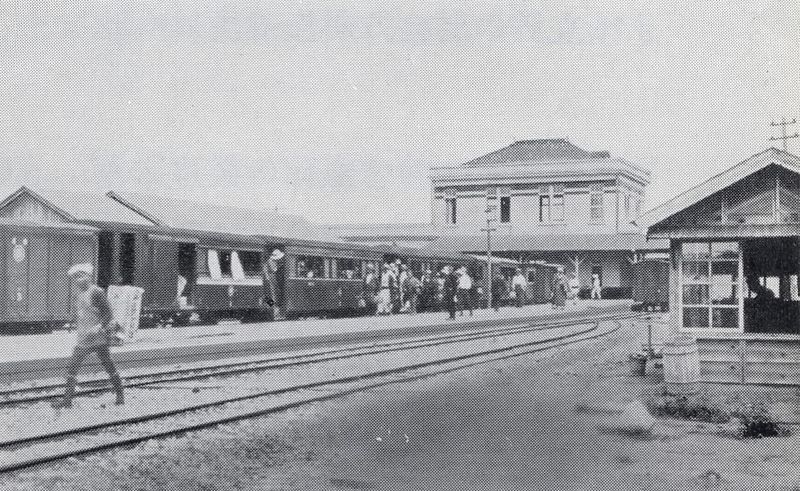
651 285
34 259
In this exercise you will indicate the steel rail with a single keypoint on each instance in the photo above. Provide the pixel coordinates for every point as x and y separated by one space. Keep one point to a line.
551 343
231 369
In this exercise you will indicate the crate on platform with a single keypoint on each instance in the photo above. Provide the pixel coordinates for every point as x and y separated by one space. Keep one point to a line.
126 306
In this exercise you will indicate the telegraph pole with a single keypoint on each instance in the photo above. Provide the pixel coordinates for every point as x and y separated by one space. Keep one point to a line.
489 230
783 124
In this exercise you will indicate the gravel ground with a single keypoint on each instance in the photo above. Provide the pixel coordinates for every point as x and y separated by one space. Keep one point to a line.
532 422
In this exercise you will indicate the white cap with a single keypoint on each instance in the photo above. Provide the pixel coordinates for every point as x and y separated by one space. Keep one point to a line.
81 268
276 255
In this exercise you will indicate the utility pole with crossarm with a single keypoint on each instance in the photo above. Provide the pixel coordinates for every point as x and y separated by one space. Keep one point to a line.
784 137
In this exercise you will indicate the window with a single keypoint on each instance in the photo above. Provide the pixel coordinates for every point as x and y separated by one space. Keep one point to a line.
310 267
505 209
596 202
551 204
710 285
450 206
225 263
557 214
544 208
251 262
348 269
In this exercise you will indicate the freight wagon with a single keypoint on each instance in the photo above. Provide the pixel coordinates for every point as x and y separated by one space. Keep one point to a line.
36 292
650 289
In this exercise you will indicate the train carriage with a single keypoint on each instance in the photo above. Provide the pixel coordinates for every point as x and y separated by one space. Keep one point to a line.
326 278
34 261
650 289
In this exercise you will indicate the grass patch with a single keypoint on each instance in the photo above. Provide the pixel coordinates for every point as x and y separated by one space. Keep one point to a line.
694 408
756 422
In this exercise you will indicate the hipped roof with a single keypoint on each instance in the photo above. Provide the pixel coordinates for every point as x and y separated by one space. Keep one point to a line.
533 151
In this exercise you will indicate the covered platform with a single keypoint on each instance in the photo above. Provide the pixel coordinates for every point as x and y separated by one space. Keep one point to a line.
43 356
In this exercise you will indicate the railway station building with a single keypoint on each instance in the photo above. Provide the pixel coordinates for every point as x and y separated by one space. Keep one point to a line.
735 269
547 200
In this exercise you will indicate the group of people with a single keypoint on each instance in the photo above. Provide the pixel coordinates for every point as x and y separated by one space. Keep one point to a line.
564 289
396 289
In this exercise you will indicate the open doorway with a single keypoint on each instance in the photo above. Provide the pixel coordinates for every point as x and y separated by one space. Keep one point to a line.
772 285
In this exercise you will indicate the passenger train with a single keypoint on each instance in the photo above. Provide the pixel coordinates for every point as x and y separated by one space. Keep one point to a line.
190 275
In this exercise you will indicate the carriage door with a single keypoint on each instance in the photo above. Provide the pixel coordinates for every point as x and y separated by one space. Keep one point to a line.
18 263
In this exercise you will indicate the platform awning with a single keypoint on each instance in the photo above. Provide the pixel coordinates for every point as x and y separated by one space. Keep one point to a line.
551 243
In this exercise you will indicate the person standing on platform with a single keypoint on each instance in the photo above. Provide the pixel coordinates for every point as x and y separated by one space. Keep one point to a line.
559 289
387 284
395 291
370 289
464 291
596 287
94 323
574 288
449 291
498 290
411 292
520 285
427 297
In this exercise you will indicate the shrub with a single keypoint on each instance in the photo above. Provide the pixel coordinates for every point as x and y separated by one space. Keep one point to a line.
697 408
756 422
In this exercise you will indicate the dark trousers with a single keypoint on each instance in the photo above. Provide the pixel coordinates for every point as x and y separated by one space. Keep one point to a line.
520 295
450 302
104 355
81 352
465 299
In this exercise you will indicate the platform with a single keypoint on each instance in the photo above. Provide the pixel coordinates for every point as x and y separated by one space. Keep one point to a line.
27 357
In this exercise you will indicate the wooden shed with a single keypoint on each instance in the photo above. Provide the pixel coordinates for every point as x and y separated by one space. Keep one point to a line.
34 260
735 269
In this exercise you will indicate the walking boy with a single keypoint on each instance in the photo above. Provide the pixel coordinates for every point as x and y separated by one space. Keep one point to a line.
92 320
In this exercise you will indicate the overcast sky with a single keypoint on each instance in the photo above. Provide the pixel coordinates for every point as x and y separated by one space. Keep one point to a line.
336 110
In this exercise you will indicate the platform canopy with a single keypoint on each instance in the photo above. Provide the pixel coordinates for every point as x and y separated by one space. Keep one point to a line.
550 242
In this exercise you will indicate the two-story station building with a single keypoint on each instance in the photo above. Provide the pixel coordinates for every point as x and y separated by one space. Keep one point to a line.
546 200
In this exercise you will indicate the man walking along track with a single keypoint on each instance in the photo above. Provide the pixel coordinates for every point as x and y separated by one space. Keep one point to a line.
93 319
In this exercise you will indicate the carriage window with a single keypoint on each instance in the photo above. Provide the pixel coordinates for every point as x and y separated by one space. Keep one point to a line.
310 267
251 262
225 263
348 269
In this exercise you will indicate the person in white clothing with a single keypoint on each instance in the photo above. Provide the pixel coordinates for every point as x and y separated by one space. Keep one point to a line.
596 288
464 291
574 288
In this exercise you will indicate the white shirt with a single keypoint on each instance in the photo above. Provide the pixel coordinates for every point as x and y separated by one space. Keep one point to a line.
574 284
465 282
519 280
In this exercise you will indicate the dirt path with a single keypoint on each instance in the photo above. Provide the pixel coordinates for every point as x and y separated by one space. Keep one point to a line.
510 425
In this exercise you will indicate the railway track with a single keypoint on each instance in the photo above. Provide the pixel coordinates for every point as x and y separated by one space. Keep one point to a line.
35 449
20 396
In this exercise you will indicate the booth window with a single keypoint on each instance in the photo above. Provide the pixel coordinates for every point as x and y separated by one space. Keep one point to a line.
710 285
310 267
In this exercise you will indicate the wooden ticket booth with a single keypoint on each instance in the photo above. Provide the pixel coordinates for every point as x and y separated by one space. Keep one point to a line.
735 269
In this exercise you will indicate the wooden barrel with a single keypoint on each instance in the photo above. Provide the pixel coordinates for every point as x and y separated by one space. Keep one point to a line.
681 366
